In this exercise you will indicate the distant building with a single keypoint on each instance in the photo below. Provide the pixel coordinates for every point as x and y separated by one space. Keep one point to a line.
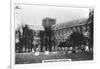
28 39
62 31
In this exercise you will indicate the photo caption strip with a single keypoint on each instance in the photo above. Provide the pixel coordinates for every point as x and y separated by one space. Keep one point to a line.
56 60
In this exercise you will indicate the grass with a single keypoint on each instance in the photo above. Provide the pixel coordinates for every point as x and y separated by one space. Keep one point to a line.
26 58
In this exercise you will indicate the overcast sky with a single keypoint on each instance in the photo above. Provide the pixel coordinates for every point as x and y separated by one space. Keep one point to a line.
33 14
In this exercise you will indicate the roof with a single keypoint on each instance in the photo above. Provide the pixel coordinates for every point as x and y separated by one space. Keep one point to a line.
77 22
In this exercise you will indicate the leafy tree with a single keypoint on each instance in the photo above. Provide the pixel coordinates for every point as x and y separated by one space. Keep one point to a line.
41 35
27 38
77 39
48 40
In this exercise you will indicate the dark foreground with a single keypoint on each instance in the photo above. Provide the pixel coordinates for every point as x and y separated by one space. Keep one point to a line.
27 58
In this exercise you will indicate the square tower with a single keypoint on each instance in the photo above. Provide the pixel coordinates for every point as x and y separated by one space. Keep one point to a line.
47 22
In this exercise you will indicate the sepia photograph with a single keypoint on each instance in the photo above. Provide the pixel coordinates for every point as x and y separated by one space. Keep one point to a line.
50 33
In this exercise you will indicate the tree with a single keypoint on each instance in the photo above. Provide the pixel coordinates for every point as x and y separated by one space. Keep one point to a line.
41 35
17 41
77 39
48 34
31 39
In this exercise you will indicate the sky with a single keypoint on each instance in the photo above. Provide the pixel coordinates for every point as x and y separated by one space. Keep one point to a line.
33 14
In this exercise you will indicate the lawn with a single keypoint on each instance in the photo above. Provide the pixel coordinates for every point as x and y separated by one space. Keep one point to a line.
26 58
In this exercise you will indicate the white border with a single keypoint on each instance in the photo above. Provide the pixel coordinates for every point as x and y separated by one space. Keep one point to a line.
39 65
